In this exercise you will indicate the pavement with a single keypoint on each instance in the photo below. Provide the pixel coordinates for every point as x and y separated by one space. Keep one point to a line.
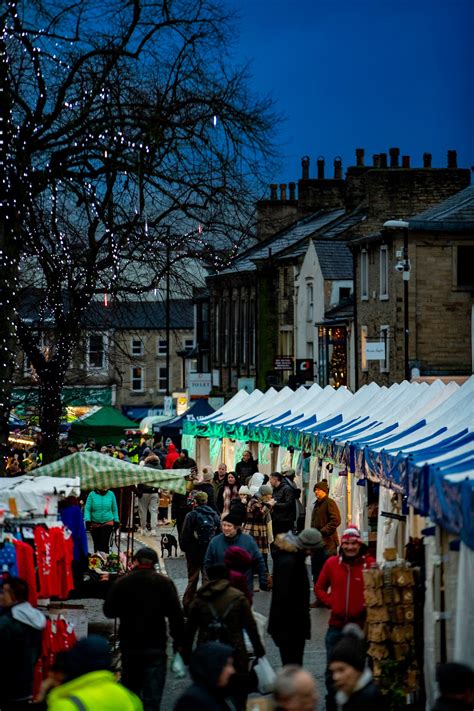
175 568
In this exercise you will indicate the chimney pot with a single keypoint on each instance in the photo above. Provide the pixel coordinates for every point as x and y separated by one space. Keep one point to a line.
320 168
383 160
394 156
376 160
452 159
338 168
427 160
359 156
273 191
405 161
292 189
305 167
282 191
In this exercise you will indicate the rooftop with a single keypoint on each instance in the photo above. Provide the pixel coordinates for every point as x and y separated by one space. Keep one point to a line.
454 214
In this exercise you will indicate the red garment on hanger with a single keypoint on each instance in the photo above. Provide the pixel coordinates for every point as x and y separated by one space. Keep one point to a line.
26 569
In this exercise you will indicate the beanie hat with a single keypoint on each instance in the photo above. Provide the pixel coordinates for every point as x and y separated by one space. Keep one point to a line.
309 538
88 655
236 558
288 472
244 490
207 476
322 485
146 553
351 534
265 489
201 497
351 648
234 518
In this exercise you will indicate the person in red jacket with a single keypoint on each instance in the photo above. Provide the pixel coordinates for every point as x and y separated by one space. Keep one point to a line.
171 456
343 575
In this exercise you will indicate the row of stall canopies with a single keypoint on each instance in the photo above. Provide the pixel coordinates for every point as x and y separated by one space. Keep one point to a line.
415 438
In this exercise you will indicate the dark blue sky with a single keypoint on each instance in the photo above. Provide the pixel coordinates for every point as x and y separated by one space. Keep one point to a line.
364 73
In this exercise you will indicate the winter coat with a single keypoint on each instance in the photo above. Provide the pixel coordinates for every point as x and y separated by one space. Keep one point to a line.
344 577
171 457
244 470
284 508
232 493
96 690
217 484
365 697
207 663
289 618
21 629
216 551
186 463
142 600
101 508
189 543
225 599
326 518
208 489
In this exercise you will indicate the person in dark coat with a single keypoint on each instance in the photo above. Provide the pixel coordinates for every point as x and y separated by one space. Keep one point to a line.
289 621
211 668
456 687
326 518
352 678
21 628
246 467
205 485
283 504
179 502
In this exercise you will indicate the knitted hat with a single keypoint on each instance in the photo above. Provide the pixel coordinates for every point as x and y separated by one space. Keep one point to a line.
234 518
309 539
201 497
351 648
351 534
322 485
238 559
288 472
265 489
244 490
206 476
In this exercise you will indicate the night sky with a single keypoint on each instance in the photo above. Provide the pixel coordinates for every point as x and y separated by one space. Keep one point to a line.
363 73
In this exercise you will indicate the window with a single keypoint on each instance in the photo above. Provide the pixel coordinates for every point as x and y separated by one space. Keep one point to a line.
383 272
188 344
309 350
364 275
96 351
162 346
138 379
309 302
384 337
137 347
344 292
464 269
363 344
162 379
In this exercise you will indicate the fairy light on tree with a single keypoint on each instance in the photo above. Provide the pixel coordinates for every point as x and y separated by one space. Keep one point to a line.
105 170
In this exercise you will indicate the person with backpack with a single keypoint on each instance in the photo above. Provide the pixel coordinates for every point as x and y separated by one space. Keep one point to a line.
221 613
199 528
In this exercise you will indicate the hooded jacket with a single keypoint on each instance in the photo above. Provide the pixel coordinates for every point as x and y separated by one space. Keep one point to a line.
344 576
171 457
238 617
96 690
207 663
289 618
284 508
365 697
21 628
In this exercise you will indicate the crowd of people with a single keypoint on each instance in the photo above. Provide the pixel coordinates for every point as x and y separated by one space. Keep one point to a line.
241 532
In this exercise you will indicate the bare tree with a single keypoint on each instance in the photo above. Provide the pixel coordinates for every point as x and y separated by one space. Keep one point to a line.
132 146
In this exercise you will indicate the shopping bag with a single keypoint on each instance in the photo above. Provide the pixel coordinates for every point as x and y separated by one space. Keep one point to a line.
177 666
265 675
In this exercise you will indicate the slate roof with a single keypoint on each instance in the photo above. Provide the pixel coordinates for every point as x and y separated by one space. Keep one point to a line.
342 311
282 240
456 213
335 259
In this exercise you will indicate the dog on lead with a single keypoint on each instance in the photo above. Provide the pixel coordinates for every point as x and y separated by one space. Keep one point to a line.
168 542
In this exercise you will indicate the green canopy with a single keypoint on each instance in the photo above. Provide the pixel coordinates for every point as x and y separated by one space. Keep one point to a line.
101 471
104 426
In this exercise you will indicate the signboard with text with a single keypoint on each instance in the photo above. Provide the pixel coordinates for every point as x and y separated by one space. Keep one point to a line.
305 368
375 350
199 384
283 363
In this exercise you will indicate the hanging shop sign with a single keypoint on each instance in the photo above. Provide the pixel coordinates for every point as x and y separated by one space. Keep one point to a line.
199 384
375 350
305 367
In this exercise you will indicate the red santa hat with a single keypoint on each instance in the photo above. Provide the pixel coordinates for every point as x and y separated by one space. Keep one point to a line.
351 534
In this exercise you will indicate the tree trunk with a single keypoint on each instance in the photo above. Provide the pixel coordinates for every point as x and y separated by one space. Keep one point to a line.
50 411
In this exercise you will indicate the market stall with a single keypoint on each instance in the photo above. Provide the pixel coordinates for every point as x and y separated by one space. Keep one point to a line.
105 425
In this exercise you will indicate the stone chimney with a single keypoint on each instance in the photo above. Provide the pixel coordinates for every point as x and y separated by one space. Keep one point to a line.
405 162
305 167
376 160
273 191
383 160
359 157
452 159
282 191
394 156
427 157
320 168
292 189
338 168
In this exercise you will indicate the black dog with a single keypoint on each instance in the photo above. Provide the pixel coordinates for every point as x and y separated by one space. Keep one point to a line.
168 542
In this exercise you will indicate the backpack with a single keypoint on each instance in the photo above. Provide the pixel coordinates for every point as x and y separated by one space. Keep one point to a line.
206 527
217 629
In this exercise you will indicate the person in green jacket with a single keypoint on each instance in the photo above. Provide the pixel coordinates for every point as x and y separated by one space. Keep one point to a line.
101 517
88 682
